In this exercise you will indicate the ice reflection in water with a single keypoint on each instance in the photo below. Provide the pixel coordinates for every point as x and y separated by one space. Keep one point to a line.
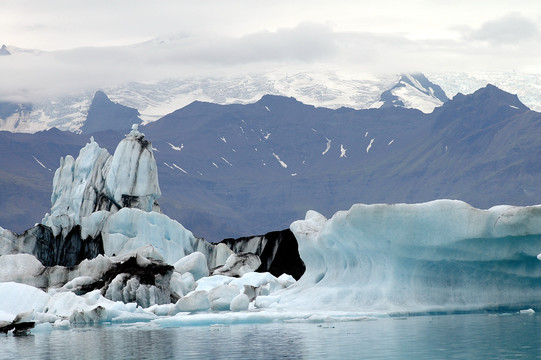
423 337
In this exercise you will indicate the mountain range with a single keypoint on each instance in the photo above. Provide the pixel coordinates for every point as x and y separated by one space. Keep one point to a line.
243 169
328 89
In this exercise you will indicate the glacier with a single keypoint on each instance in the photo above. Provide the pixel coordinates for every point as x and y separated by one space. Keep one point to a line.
106 253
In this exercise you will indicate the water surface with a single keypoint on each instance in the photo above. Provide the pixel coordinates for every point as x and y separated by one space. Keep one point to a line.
472 336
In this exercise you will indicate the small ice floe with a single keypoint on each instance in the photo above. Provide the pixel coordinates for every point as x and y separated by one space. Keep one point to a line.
527 311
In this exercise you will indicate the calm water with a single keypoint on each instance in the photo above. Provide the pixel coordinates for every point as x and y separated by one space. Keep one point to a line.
422 337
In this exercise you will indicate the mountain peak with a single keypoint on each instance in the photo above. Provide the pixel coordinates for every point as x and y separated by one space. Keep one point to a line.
487 97
414 91
468 114
105 114
4 50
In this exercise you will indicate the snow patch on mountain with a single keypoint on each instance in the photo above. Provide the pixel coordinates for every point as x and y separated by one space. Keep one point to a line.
284 165
413 91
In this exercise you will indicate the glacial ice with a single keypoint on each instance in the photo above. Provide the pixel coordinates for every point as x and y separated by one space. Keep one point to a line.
440 256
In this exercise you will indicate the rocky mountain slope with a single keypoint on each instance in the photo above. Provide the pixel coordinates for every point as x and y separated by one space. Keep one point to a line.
228 171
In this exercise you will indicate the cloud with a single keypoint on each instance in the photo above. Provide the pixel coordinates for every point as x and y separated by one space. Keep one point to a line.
308 46
509 29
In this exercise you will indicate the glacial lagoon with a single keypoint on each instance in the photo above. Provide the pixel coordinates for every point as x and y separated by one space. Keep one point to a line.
467 336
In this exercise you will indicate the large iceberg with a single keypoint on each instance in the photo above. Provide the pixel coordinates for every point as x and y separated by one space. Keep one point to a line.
440 256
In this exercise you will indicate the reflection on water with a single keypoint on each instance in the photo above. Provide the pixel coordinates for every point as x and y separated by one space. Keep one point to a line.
422 337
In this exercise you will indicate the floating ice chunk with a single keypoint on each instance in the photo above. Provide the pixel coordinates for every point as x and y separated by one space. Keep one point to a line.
194 263
17 298
241 302
94 267
210 282
220 297
62 323
22 268
266 301
181 284
443 254
342 151
161 310
77 283
194 301
527 312
239 264
286 280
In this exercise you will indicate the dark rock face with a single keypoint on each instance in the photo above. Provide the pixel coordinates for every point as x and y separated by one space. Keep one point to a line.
135 279
9 108
278 251
104 114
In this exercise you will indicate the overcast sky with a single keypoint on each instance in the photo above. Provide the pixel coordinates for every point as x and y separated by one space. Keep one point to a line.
101 43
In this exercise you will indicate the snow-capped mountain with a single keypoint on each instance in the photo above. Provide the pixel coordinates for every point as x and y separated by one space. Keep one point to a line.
325 89
414 91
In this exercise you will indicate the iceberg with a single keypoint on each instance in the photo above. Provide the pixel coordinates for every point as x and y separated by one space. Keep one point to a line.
441 256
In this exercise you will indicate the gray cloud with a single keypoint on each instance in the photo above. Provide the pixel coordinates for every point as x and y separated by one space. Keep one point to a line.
509 29
308 46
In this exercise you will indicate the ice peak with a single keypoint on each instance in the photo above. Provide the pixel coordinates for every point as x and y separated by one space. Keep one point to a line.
98 181
135 133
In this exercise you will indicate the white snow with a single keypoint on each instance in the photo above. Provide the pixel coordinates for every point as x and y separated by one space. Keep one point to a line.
177 148
415 99
284 165
370 145
179 168
227 162
328 147
194 263
41 164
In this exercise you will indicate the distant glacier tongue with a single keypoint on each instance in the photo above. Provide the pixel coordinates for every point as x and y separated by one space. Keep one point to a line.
441 256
